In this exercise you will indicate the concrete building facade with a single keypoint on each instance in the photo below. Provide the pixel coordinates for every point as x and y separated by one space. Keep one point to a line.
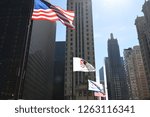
79 43
136 73
130 74
143 28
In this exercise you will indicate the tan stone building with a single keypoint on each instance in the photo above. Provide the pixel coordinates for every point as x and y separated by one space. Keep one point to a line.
143 30
137 81
79 43
131 76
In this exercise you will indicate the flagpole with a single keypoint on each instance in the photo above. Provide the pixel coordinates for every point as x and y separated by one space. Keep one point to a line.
87 88
72 78
87 91
72 86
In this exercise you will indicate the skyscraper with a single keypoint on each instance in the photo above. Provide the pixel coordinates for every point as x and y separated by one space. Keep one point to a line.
136 73
143 29
116 78
101 75
79 43
130 74
59 70
14 42
38 82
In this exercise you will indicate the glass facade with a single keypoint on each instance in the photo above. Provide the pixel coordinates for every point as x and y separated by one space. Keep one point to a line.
38 83
14 27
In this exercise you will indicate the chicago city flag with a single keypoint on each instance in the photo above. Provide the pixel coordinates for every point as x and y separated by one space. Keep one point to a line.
46 11
80 64
95 86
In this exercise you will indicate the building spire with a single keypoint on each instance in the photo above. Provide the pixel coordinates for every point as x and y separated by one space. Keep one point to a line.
111 36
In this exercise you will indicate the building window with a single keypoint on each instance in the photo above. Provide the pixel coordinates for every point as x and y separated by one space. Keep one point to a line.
85 93
80 93
89 93
65 85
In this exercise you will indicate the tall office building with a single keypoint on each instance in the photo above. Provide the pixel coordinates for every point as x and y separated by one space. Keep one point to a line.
107 77
136 73
102 80
143 29
130 74
101 75
116 78
79 43
140 74
38 82
59 70
14 32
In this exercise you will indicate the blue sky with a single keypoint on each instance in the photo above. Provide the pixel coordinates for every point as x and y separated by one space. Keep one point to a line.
109 16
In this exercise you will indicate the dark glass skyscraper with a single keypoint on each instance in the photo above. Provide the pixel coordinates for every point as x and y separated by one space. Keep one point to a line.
59 70
38 83
15 20
116 78
101 75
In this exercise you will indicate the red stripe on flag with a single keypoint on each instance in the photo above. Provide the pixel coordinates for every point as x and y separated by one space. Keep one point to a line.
54 14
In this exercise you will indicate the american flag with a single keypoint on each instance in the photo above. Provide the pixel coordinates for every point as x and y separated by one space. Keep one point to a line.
46 11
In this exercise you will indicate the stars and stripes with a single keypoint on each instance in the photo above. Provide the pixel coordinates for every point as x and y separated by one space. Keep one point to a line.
46 11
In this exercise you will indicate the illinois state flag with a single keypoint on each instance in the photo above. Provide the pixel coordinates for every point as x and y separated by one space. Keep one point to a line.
46 11
80 64
95 86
